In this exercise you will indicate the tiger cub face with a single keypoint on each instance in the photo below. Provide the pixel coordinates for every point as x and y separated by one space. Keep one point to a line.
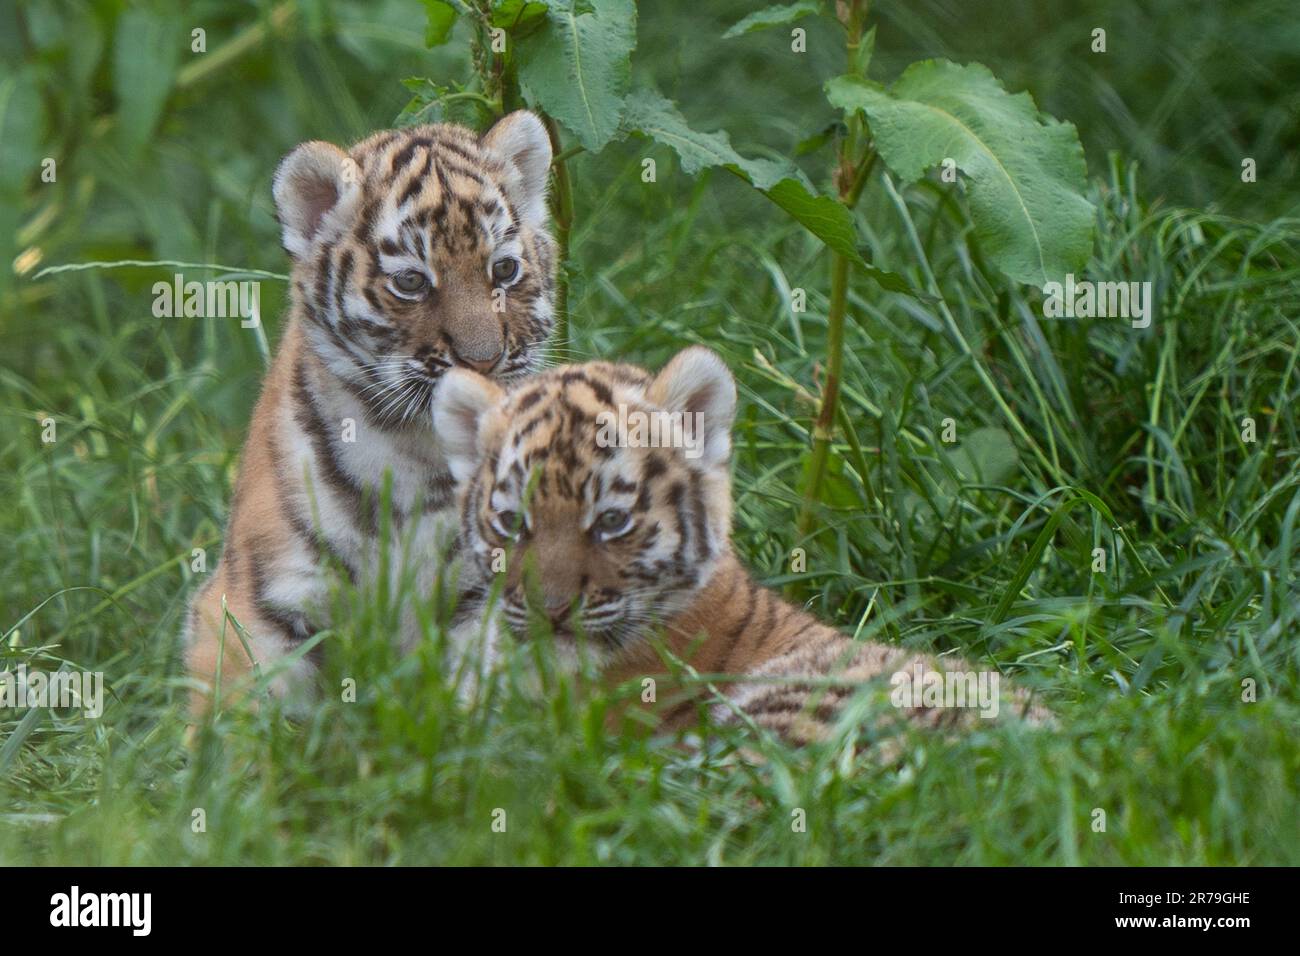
419 250
600 531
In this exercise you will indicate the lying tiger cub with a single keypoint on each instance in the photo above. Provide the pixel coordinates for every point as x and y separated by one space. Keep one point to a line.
612 536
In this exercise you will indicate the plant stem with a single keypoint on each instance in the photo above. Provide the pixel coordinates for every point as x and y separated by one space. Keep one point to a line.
851 177
570 151
824 425
471 96
500 78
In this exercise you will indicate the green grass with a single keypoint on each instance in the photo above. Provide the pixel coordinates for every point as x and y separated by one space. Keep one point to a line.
1072 435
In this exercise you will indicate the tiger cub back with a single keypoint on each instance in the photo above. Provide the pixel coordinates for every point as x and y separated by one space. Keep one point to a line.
414 252
607 489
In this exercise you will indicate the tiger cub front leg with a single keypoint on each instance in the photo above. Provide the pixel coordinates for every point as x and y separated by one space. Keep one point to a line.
229 644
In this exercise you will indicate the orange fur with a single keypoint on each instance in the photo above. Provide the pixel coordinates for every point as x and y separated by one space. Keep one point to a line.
538 460
416 251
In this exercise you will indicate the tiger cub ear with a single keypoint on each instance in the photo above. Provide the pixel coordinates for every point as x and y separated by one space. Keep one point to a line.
462 407
521 140
315 187
698 384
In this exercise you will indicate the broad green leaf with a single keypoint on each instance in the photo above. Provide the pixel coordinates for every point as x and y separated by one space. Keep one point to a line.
577 66
773 17
986 456
518 17
826 218
1026 171
146 51
441 17
836 489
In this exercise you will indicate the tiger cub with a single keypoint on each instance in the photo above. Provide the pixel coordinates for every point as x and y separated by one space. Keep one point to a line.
612 536
414 252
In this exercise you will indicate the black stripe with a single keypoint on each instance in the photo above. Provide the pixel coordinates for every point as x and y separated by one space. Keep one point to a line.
323 274
312 538
462 150
321 547
460 169
292 624
341 280
599 389
441 487
468 505
366 221
739 629
417 181
353 494
527 400
699 517
677 498
404 156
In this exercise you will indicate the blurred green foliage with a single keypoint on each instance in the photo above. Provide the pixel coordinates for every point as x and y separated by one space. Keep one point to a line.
166 153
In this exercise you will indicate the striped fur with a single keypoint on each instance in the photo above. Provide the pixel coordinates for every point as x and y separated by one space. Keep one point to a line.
416 251
670 580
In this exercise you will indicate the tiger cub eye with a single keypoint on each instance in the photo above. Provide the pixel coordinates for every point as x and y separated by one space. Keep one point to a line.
507 524
612 522
410 282
504 270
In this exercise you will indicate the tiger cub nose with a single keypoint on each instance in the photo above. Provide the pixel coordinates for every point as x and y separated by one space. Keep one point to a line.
558 609
482 366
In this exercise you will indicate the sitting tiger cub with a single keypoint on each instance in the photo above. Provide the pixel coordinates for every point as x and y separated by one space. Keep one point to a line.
415 251
612 537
